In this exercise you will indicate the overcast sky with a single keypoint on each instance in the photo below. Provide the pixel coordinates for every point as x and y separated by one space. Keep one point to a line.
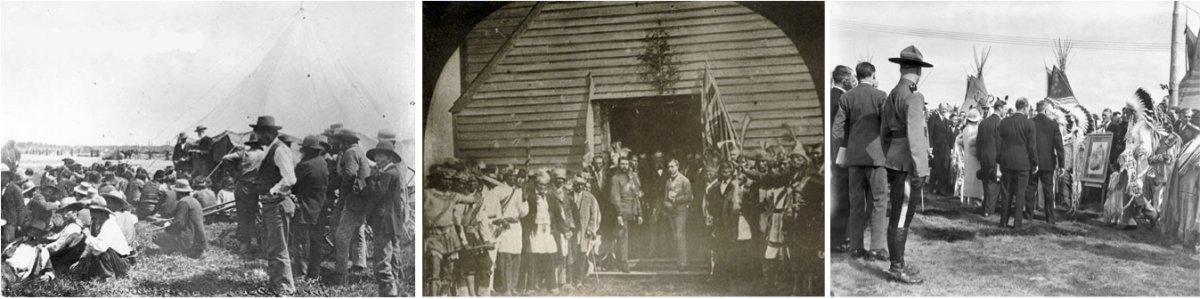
1101 78
119 73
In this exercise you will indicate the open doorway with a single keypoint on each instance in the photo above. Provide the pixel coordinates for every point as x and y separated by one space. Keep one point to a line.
670 124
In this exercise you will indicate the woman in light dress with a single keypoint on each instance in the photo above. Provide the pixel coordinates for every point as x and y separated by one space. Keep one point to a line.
972 187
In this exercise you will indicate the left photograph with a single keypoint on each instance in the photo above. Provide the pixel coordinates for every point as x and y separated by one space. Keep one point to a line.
207 149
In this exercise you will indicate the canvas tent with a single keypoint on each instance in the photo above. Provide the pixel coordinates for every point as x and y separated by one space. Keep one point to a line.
1189 87
300 82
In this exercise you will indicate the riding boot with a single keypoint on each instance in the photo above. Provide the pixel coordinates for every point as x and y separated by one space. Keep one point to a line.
897 239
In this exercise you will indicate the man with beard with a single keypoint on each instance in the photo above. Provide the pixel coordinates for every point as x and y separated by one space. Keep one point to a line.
624 194
273 186
907 157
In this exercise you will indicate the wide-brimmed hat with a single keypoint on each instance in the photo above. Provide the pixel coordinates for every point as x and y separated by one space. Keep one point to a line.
384 148
973 116
79 205
68 161
386 134
266 122
324 141
181 185
345 133
911 56
201 128
312 142
85 188
115 200
27 186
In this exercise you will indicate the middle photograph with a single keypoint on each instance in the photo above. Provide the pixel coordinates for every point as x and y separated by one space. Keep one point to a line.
623 149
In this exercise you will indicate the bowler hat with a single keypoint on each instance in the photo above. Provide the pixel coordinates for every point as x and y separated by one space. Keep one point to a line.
384 148
266 122
911 56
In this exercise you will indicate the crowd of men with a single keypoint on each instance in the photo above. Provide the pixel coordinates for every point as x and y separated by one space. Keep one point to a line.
518 231
285 207
1019 160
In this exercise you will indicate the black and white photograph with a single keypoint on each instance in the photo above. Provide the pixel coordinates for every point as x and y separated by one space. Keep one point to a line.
623 149
1014 148
209 149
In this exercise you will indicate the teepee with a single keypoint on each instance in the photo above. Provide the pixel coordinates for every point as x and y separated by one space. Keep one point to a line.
976 89
1058 88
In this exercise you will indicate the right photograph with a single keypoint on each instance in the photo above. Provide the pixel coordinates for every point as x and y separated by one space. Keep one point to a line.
1013 149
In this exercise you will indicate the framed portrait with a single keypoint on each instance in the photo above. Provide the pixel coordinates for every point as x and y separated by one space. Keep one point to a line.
1098 146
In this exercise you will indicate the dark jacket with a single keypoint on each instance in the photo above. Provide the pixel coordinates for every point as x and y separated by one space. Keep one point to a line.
1018 144
858 123
388 192
906 141
188 224
835 104
1049 143
312 179
987 141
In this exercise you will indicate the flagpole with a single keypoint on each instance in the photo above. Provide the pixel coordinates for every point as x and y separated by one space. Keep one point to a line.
1172 89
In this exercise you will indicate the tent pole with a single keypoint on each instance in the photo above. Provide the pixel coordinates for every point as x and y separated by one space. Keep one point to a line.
1173 90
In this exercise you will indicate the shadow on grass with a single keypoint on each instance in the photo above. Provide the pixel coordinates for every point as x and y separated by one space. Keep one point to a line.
949 234
1165 259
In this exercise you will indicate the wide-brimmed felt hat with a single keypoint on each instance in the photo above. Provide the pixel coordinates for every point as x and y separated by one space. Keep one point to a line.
116 200
68 161
266 122
79 205
312 142
201 128
27 186
384 148
345 133
85 188
911 56
324 141
181 185
386 134
973 116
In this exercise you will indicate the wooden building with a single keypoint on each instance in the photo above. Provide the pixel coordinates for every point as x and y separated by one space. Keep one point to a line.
546 76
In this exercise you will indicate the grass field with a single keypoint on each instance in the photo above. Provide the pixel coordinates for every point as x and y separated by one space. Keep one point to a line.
960 253
223 271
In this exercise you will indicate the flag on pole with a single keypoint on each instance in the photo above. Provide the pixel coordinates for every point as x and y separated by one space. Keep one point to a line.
1189 87
719 134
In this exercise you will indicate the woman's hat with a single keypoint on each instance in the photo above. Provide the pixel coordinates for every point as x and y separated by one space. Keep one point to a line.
266 122
384 148
973 116
911 56
181 185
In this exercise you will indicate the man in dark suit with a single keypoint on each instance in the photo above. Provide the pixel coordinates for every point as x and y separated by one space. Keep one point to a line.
842 80
906 145
1050 157
857 122
1017 158
939 132
986 149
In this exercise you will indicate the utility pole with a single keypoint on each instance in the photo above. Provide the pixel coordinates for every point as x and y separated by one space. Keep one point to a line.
1173 87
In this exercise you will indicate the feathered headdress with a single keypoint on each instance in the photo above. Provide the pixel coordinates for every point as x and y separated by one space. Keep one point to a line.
1143 105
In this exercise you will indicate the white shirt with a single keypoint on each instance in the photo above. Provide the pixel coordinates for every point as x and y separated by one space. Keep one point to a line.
287 166
110 237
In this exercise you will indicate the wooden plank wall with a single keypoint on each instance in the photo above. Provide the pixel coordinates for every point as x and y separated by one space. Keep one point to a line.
536 94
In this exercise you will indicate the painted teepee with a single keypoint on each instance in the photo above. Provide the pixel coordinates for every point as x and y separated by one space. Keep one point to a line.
976 89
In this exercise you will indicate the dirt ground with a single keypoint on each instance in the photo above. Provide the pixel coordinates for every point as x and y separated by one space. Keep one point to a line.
224 270
960 253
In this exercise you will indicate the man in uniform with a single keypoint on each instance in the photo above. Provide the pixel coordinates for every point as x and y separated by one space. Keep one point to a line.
353 170
275 178
906 145
858 123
